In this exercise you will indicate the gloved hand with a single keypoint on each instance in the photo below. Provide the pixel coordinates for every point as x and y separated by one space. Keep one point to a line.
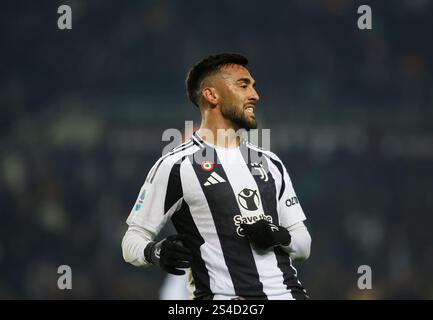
264 235
169 254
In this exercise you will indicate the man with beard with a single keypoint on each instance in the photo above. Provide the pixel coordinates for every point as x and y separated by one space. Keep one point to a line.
239 223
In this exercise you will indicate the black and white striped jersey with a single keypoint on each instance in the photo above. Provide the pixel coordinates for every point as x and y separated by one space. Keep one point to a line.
208 192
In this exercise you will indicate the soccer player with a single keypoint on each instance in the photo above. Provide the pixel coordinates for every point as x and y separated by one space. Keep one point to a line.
239 223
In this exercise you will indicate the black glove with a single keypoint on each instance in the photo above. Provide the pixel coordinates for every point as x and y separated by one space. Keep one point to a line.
169 254
264 235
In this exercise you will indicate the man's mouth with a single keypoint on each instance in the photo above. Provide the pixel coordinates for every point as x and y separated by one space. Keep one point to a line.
250 109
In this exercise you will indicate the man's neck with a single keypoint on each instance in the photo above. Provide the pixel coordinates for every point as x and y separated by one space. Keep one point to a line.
222 135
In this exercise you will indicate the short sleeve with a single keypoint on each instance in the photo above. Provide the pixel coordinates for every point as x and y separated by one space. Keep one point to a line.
289 209
159 197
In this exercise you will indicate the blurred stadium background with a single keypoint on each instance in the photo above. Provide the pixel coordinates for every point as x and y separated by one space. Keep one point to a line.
82 114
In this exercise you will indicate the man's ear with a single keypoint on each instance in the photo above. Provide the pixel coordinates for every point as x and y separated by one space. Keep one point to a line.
210 95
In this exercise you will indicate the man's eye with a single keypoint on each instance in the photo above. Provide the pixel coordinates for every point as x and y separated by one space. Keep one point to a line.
244 86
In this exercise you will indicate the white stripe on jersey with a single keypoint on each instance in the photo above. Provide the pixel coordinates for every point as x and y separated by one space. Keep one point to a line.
240 178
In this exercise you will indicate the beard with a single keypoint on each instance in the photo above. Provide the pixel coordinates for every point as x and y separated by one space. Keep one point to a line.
239 117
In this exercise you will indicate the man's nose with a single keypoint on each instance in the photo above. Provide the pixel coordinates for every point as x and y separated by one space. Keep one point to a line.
254 95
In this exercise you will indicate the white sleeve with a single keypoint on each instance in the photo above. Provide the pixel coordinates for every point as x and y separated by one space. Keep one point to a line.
289 209
300 246
134 242
158 199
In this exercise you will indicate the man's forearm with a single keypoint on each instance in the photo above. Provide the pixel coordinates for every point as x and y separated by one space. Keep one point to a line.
134 242
300 245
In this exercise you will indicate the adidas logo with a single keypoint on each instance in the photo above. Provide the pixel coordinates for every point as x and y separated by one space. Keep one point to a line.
214 179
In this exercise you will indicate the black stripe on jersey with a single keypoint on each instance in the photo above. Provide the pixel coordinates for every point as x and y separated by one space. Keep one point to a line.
299 293
223 206
280 168
267 190
184 224
174 186
152 174
197 139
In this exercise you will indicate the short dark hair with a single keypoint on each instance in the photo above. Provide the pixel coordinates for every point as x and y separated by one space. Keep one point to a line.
206 67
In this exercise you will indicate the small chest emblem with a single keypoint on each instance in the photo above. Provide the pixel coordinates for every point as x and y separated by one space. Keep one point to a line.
207 166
